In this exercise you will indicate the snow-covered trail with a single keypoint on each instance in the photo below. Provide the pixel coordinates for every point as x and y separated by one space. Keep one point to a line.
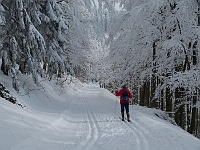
87 119
104 128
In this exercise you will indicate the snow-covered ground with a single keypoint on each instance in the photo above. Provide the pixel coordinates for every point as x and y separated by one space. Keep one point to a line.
82 117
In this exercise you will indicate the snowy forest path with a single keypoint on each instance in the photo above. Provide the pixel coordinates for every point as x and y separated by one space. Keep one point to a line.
86 119
102 124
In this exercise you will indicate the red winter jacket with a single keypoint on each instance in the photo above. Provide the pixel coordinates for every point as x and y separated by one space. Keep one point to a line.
120 94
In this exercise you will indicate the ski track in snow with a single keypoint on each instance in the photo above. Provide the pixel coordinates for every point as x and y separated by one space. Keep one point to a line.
93 131
138 143
141 140
90 120
94 127
140 136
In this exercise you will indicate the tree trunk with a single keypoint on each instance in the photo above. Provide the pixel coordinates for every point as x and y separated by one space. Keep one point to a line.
147 94
4 67
193 117
142 96
154 103
169 102
177 112
184 117
162 101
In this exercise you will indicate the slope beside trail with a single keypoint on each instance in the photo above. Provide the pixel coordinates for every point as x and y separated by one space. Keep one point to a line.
85 119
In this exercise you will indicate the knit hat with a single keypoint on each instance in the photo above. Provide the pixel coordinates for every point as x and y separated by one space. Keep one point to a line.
124 86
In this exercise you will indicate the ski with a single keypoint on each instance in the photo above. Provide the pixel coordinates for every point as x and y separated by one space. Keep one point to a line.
121 119
125 120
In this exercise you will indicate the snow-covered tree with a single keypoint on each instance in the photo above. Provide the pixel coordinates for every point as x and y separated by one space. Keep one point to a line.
47 37
33 39
155 49
86 36
2 23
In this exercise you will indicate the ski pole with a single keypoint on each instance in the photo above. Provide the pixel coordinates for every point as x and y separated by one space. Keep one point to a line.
115 105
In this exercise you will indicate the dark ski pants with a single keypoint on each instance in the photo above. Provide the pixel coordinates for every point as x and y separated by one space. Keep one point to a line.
126 106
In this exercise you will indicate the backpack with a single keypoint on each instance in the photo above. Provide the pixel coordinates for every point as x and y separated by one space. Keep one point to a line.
125 95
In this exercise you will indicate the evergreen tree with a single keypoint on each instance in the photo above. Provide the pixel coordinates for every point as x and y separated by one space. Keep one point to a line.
33 42
53 37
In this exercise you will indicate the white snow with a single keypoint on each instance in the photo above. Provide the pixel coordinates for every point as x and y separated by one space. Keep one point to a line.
82 117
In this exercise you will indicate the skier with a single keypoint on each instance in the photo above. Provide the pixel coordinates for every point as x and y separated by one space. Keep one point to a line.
124 94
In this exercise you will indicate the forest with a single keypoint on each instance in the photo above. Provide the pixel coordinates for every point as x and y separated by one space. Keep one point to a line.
150 45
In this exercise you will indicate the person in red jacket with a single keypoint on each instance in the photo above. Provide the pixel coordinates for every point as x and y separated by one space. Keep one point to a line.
125 96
